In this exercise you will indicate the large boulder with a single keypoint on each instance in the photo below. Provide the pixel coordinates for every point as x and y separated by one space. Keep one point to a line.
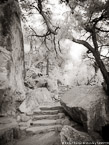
86 105
34 99
70 135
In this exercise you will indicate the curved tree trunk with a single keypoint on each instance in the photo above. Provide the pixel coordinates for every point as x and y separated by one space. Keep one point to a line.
102 69
11 49
100 63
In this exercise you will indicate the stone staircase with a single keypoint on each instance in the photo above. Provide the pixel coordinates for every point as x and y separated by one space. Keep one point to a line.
43 124
49 118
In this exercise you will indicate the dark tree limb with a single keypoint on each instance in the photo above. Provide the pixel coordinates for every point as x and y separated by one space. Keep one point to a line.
94 39
44 35
97 58
86 44
55 45
45 18
59 46
101 30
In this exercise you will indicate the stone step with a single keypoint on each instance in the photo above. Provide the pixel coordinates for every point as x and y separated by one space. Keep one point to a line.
46 112
51 108
44 122
40 117
62 88
42 129
61 93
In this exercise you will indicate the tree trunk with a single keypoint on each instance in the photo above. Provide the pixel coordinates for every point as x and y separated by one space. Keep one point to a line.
100 63
47 67
11 49
30 55
102 68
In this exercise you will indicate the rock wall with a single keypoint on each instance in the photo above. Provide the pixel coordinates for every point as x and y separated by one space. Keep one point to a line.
11 52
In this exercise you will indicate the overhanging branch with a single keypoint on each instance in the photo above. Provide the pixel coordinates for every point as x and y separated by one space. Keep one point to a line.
86 44
101 30
45 18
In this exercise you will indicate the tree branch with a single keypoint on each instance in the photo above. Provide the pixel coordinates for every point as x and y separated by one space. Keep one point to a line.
88 37
106 57
101 30
94 39
45 18
54 45
44 35
86 44
96 20
46 44
59 46
39 8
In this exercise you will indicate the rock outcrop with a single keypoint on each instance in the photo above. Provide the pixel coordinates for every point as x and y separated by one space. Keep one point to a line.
70 135
11 51
87 106
9 131
34 99
34 80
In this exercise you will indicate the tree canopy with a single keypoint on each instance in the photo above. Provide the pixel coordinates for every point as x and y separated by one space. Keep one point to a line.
82 21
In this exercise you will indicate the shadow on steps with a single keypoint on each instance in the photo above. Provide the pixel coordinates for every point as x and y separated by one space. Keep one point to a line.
51 138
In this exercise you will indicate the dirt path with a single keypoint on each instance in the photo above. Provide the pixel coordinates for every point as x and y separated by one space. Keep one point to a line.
50 138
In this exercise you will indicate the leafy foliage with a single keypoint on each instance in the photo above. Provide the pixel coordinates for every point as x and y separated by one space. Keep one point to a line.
84 22
93 21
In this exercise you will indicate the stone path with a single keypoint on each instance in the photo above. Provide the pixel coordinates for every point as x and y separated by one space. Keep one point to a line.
46 120
45 126
50 138
41 127
32 128
50 118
